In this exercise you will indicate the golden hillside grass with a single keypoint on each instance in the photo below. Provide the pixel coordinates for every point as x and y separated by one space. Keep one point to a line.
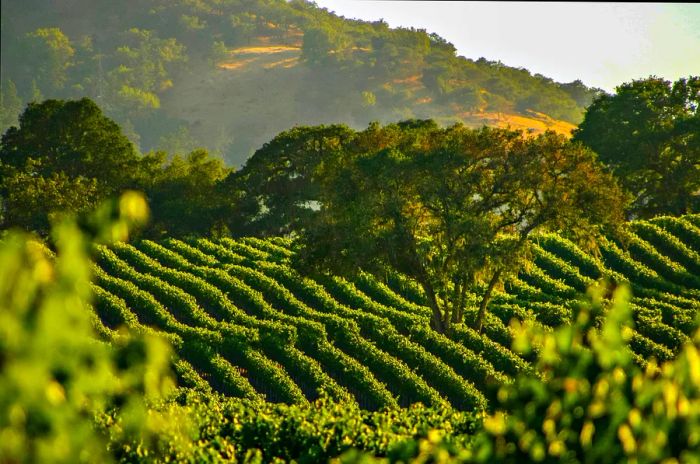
258 91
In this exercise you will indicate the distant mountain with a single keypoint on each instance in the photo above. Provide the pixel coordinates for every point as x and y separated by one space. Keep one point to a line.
230 74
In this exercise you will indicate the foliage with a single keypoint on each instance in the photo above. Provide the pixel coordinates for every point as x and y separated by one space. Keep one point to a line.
324 44
73 137
248 291
142 67
185 195
56 379
10 105
278 184
230 428
32 202
67 157
593 403
279 347
647 133
179 142
49 54
445 205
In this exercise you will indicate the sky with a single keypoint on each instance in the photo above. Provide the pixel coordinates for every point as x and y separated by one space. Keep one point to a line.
603 44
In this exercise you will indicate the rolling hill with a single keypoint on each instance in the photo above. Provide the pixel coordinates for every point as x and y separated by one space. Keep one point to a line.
229 75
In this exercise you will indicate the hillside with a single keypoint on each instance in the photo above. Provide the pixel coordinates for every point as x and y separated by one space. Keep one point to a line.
229 75
246 324
248 78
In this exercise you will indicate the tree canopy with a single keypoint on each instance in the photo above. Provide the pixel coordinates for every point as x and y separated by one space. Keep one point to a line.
277 186
451 206
648 132
185 194
67 156
71 136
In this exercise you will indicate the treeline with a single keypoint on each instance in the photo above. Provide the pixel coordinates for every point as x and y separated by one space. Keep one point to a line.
68 156
127 60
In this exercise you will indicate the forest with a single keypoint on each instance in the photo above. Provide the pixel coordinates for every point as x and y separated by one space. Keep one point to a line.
366 279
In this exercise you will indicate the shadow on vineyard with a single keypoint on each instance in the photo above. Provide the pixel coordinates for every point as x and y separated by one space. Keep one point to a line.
273 365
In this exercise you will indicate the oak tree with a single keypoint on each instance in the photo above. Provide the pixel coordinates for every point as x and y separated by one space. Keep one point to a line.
648 133
64 155
452 207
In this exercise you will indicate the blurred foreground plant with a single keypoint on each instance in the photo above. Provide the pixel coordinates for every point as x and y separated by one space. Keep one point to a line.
595 404
592 404
56 378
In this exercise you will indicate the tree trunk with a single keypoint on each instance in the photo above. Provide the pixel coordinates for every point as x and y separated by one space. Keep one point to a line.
436 321
485 300
458 307
456 290
445 320
462 298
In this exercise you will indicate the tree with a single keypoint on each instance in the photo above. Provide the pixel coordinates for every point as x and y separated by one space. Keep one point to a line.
278 184
582 95
146 61
648 133
448 207
143 67
244 26
10 105
71 136
178 142
32 202
325 45
64 155
49 54
184 194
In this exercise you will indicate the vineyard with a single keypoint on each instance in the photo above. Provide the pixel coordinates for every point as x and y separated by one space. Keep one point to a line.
245 323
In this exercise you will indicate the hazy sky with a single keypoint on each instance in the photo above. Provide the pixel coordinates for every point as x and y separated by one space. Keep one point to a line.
603 44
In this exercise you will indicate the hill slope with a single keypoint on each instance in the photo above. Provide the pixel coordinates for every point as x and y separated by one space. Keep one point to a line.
239 95
230 75
247 324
